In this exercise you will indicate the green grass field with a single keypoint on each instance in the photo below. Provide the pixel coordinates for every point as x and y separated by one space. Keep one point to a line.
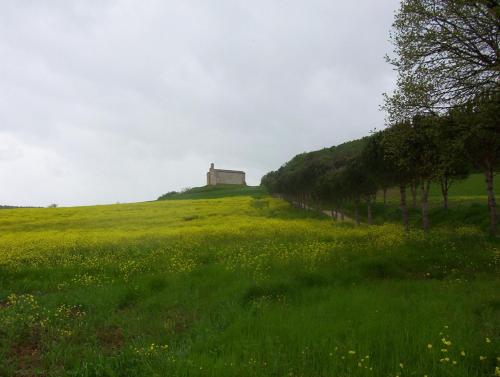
472 187
242 286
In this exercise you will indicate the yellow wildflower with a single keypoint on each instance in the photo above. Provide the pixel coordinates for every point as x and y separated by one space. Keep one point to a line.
446 342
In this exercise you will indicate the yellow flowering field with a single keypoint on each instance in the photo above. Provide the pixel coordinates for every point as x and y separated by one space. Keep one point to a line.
241 286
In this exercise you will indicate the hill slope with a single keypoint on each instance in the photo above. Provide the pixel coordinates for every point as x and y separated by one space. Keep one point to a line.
240 286
218 191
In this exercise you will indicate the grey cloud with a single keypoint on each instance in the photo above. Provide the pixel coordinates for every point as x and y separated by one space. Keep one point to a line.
122 100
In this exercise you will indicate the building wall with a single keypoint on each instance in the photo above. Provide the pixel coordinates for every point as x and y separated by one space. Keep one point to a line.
228 177
232 178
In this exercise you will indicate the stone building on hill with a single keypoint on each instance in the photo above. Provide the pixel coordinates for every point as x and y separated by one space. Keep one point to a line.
225 177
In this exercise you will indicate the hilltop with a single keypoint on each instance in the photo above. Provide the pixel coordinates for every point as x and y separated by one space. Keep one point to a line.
341 152
218 191
404 167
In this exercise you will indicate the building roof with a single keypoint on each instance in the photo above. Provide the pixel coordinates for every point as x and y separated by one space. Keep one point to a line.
230 171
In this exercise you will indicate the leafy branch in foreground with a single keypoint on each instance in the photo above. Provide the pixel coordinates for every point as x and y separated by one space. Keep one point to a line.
446 53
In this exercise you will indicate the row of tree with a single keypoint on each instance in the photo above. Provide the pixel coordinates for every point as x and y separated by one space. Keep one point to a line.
408 155
447 57
443 117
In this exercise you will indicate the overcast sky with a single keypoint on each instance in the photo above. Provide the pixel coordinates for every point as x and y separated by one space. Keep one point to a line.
106 101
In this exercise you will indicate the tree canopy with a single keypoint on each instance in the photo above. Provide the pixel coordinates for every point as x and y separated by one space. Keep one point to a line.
446 53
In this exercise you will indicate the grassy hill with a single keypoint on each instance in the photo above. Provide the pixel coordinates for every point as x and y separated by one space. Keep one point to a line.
218 191
351 147
471 188
241 286
467 205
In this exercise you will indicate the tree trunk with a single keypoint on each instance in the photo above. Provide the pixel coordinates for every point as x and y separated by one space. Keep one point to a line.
425 204
369 211
444 190
404 207
413 187
356 212
342 216
332 212
385 197
491 200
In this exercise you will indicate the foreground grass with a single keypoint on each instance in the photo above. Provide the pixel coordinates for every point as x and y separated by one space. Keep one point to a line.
241 286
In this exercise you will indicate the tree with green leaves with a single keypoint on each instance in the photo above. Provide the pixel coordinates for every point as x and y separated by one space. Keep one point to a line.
453 163
446 53
425 155
331 191
397 145
358 185
447 56
378 165
479 121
